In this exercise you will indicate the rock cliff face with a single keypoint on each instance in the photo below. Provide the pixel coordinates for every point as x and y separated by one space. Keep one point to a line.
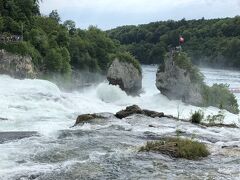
16 66
126 75
175 83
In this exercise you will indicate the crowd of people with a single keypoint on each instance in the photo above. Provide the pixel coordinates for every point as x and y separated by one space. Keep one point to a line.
9 38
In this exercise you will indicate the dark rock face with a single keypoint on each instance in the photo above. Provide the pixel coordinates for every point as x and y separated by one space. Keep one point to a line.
86 118
175 83
3 119
131 110
16 66
153 114
124 74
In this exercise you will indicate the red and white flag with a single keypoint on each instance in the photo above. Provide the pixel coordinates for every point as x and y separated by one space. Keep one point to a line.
181 40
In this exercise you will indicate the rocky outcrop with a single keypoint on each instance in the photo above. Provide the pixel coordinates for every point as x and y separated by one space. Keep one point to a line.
16 66
126 75
134 109
81 119
175 83
129 111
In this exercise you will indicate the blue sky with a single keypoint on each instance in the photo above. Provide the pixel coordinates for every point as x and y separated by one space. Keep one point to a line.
107 14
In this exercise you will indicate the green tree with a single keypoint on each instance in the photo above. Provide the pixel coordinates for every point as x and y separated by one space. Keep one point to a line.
55 16
39 39
70 25
62 38
66 67
53 60
1 24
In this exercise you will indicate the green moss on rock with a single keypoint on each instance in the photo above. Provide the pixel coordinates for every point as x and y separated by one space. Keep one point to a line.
178 148
183 61
127 57
217 95
220 96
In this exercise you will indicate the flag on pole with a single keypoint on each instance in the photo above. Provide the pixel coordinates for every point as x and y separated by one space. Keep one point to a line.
181 40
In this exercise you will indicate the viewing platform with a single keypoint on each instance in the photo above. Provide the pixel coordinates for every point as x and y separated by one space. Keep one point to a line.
235 90
10 38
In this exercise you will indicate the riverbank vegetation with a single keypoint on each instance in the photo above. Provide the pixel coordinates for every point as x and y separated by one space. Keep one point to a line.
127 57
220 96
177 148
216 120
213 42
56 47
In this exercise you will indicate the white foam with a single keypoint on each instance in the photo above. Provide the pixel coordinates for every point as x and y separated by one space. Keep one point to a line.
39 105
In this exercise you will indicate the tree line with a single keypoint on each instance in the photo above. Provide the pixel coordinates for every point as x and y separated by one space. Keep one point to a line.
55 46
214 42
60 47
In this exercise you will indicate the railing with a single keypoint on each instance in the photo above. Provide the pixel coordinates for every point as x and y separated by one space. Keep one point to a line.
235 90
9 38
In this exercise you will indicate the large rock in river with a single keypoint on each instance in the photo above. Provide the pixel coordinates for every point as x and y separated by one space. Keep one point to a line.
126 75
174 81
16 66
134 109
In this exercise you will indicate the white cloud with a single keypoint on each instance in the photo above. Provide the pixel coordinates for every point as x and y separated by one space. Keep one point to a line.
111 13
112 5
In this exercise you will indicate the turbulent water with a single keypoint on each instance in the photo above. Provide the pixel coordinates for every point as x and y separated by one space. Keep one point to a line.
45 146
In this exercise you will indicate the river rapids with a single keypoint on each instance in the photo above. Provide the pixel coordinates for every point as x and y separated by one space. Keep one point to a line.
37 141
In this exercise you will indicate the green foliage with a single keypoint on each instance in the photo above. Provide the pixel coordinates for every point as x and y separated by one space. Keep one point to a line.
66 67
53 60
57 60
127 57
100 46
197 117
70 25
91 50
55 16
48 25
23 48
1 24
54 47
183 61
38 38
219 96
213 42
178 148
216 119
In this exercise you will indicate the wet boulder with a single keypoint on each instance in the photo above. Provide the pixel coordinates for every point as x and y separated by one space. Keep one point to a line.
86 118
130 110
153 114
134 109
126 74
177 79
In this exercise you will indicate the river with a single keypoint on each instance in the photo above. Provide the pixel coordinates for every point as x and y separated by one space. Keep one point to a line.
107 149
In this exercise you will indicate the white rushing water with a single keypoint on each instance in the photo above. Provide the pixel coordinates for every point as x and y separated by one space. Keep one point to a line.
38 105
